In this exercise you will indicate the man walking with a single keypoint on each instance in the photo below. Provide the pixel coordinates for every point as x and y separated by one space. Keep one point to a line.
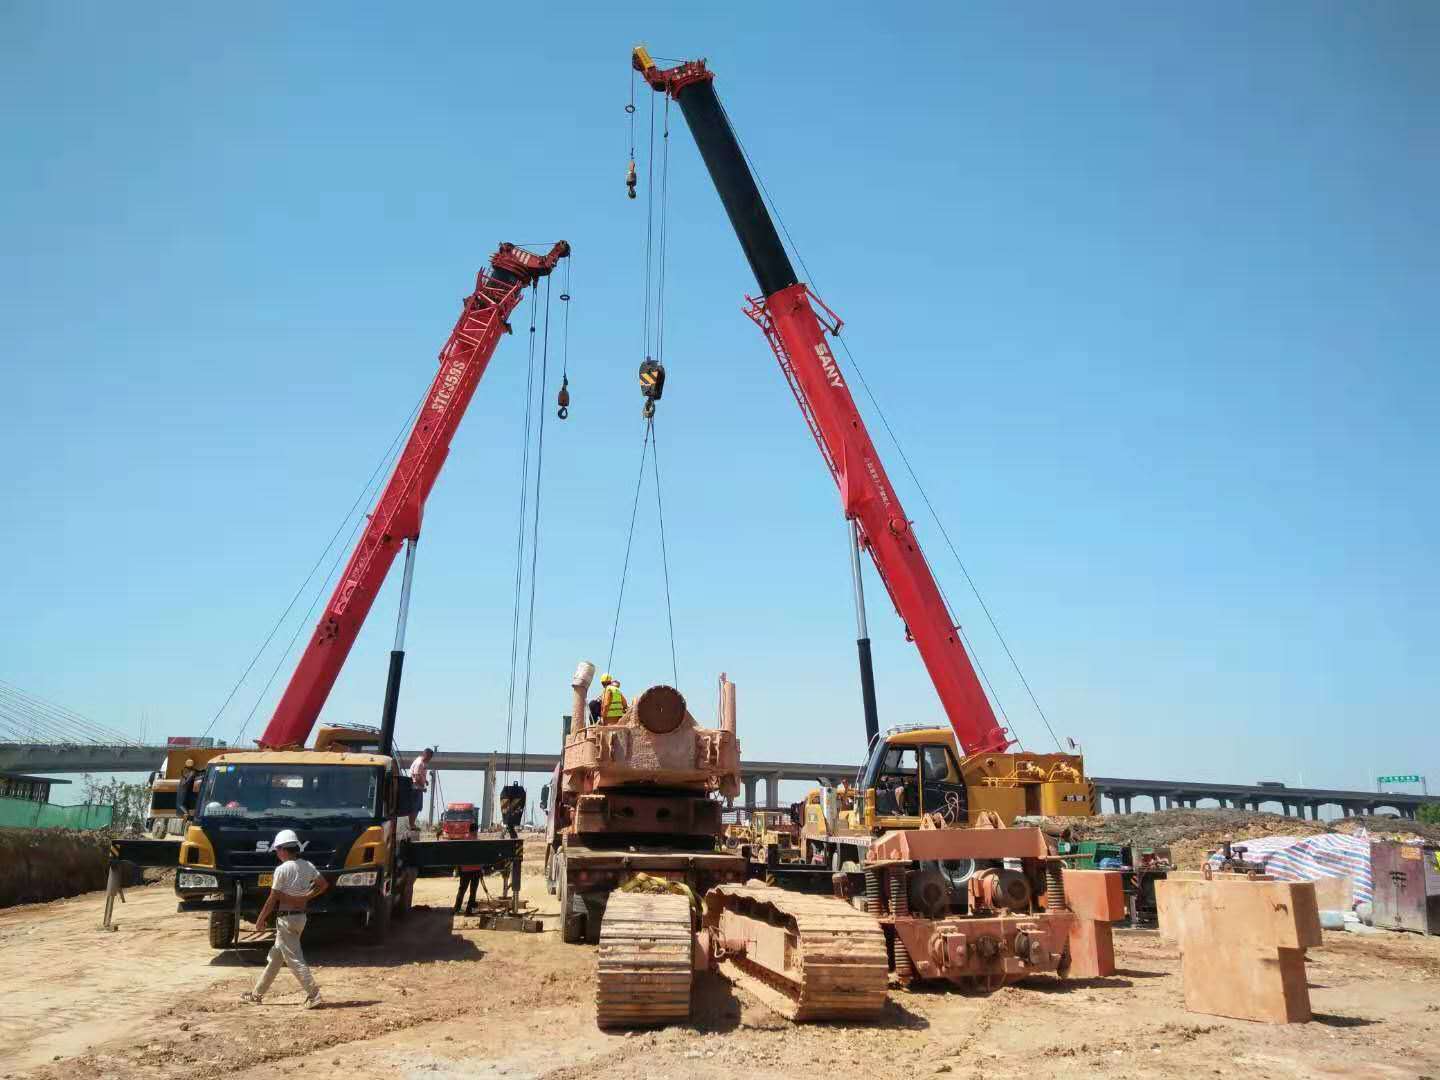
296 883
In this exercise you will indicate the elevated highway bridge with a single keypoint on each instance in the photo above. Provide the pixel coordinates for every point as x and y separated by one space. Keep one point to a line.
1121 794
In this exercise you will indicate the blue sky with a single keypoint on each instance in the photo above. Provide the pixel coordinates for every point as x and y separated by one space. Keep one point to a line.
1147 291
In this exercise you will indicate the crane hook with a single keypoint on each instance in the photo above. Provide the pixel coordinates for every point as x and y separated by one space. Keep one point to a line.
631 180
562 399
652 384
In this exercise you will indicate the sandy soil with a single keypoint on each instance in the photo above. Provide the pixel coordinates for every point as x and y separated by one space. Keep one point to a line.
445 999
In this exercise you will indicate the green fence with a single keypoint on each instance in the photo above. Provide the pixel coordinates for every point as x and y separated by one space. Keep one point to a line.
24 814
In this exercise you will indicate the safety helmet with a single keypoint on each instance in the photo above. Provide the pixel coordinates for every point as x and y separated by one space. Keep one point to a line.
286 838
606 679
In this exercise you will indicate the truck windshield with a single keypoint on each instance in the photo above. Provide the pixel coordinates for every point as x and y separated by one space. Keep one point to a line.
292 792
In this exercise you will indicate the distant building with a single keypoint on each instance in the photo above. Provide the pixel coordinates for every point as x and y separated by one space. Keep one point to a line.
14 785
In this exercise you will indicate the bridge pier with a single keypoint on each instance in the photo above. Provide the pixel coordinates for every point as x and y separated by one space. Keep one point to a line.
772 791
751 783
487 805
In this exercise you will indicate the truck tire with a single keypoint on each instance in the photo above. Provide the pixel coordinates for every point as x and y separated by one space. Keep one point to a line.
572 920
222 929
407 898
593 904
379 926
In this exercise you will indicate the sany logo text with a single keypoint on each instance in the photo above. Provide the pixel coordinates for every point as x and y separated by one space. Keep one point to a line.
832 369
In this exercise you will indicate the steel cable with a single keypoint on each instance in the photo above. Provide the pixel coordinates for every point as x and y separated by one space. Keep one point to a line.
629 541
911 471
520 537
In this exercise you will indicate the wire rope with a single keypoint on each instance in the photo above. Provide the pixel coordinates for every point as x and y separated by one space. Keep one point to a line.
664 555
520 536
629 542
379 465
535 532
915 479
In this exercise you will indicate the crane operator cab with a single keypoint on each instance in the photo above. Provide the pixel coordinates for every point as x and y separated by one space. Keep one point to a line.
917 773
917 779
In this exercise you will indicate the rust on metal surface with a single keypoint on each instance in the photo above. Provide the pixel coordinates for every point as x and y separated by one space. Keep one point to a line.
928 845
645 961
806 957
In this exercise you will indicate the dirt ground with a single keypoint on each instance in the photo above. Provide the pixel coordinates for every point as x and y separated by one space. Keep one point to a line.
444 999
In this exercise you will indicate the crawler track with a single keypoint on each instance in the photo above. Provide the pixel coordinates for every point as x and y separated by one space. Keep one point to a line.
806 957
645 961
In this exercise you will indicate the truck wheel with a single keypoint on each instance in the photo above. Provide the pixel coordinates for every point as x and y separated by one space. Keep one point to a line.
379 928
593 904
407 898
572 921
222 929
550 875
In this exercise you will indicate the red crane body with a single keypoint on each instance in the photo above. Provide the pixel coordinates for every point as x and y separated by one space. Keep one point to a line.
397 514
796 331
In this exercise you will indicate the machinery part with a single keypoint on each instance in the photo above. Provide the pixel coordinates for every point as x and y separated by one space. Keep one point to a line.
594 905
377 929
645 960
900 908
1031 949
661 709
562 399
1055 886
572 920
223 929
512 805
1000 889
928 892
806 957
652 384
872 893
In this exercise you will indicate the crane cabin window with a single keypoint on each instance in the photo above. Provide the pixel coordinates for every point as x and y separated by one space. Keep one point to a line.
897 784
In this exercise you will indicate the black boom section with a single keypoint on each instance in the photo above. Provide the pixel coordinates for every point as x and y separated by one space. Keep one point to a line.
738 191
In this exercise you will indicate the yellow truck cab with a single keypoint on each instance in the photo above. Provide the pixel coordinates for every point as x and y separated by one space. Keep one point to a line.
914 772
349 805
344 807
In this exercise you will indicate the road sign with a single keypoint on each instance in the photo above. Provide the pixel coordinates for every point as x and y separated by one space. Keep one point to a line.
1398 779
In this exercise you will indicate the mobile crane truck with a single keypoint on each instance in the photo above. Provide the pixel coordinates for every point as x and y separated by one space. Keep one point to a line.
346 796
912 772
986 904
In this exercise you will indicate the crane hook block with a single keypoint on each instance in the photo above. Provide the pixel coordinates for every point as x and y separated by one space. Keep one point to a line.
562 399
631 180
652 384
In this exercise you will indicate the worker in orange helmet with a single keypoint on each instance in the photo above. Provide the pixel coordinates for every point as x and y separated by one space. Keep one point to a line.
612 701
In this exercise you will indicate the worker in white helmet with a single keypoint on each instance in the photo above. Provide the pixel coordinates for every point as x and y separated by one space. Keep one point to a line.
296 883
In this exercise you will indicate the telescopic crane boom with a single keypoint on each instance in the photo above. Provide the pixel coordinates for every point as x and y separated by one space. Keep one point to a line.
396 516
795 323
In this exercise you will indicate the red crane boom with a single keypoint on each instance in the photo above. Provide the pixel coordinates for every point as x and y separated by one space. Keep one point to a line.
397 514
796 330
